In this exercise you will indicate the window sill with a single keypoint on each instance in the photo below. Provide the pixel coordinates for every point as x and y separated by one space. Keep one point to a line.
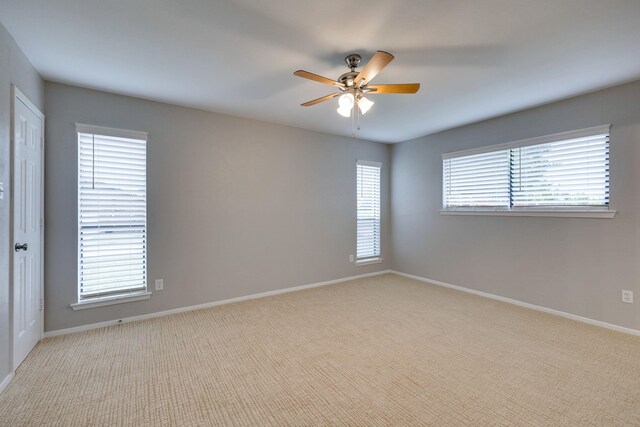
101 302
368 261
556 213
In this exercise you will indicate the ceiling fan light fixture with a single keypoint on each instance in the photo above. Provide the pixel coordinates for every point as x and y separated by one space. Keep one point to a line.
346 101
354 84
364 104
344 111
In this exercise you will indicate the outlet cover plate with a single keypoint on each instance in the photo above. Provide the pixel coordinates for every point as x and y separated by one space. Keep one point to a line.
627 296
159 284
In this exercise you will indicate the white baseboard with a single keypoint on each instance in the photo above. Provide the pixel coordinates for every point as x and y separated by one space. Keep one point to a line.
5 382
523 304
205 305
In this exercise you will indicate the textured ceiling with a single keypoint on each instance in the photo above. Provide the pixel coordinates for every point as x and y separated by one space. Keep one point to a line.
475 59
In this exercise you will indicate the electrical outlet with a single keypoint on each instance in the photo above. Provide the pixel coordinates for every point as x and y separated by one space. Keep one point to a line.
627 296
350 258
159 284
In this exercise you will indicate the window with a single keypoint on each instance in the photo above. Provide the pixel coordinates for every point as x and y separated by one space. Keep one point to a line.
568 171
368 212
477 180
112 214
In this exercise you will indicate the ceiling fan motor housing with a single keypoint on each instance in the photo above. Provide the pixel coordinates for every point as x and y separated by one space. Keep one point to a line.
352 62
348 78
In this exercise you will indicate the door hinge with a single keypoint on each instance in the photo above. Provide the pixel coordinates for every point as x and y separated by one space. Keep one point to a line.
41 222
42 142
41 304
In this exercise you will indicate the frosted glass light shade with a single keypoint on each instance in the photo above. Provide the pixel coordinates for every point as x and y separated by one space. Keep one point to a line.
346 100
344 112
364 104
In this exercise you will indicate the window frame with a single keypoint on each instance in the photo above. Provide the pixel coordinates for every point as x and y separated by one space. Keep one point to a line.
123 297
360 261
544 211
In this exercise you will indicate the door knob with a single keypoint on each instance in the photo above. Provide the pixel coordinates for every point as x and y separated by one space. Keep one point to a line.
23 246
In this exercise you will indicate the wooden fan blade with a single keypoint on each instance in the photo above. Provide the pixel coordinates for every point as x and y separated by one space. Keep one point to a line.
319 100
394 88
380 60
307 75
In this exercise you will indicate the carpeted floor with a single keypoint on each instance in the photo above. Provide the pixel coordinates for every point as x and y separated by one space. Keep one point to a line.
385 350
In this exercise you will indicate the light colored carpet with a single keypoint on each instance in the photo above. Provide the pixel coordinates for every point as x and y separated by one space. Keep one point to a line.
379 351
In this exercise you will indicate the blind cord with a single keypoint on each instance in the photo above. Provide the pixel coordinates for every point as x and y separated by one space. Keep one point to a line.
93 162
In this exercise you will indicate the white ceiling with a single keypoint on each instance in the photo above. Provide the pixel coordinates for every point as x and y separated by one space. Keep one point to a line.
475 59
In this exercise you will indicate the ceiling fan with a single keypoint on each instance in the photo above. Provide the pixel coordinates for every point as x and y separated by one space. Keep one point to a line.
353 85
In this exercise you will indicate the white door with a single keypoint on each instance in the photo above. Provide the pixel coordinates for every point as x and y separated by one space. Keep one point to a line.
27 227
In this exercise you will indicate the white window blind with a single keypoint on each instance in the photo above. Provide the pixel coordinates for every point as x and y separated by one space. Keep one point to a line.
573 172
112 218
480 180
368 210
568 170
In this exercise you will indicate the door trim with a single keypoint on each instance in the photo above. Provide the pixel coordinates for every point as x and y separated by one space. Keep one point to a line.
17 95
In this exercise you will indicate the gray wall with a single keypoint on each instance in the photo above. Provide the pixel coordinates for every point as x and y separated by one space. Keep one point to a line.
235 206
14 69
574 265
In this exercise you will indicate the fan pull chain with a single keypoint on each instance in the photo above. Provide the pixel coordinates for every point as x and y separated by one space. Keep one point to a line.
355 120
